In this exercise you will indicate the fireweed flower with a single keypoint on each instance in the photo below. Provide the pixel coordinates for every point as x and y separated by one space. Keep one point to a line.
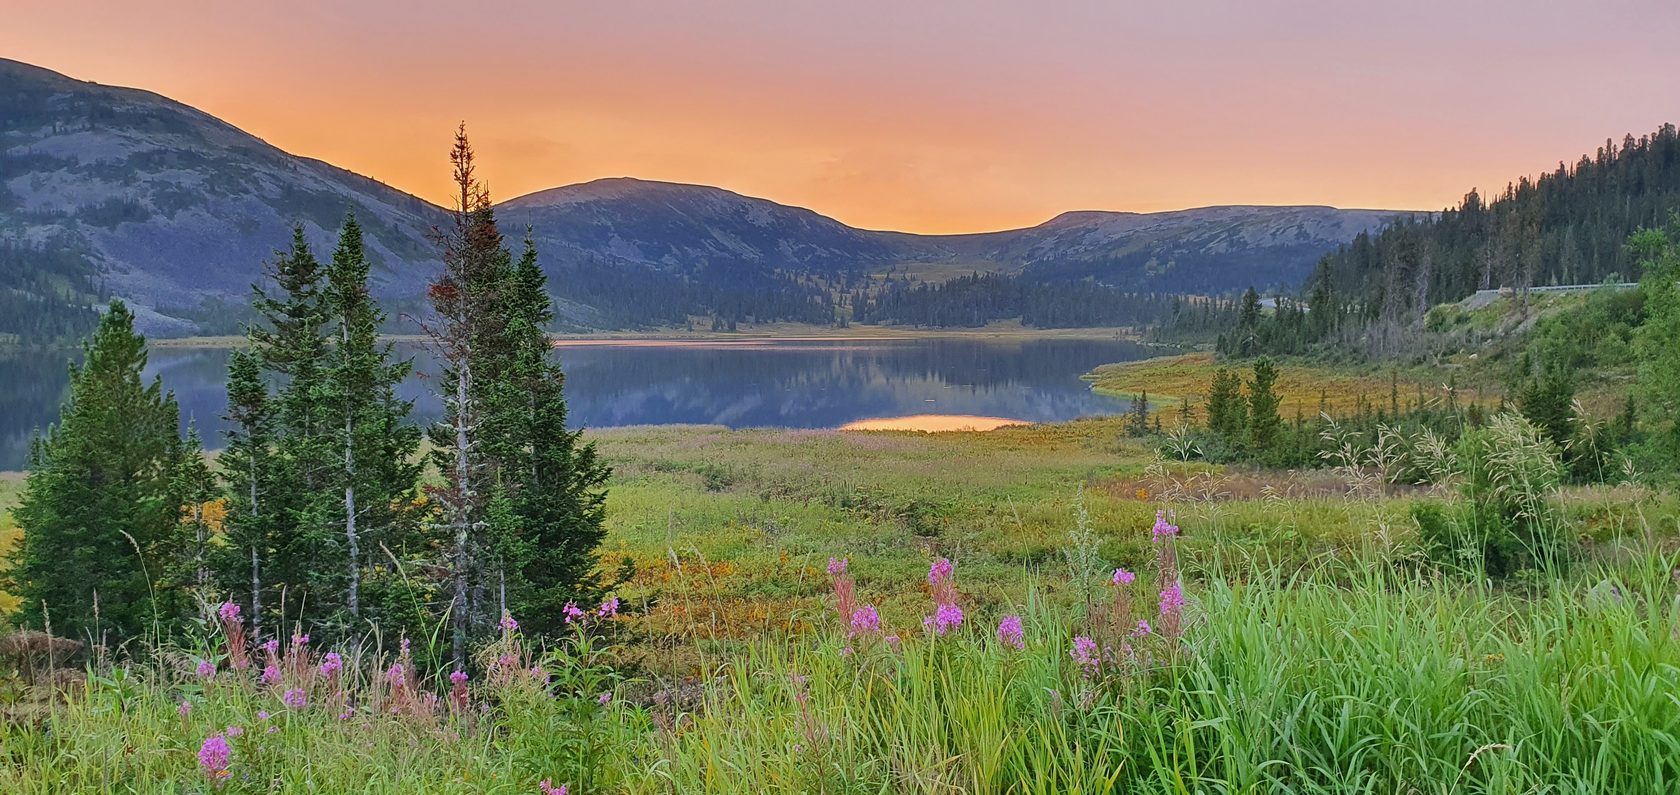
1123 577
1162 530
272 646
865 619
206 669
295 698
1086 655
609 607
185 709
944 619
1172 600
228 612
271 674
235 731
214 757
546 788
572 612
262 714
300 640
604 699
939 571
331 664
1142 628
394 675
1010 632
508 624
836 567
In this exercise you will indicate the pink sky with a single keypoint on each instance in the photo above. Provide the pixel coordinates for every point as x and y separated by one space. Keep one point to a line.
921 115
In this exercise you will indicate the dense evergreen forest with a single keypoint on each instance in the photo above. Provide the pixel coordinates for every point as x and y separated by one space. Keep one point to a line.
45 293
1569 226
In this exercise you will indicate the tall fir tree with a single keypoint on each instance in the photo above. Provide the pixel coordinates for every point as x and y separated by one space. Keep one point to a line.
374 444
523 495
291 344
248 473
555 479
469 339
1264 423
101 507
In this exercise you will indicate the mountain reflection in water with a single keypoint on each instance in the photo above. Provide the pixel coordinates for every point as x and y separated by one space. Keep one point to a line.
736 383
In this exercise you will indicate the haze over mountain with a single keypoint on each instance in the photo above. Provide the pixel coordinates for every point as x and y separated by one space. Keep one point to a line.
174 210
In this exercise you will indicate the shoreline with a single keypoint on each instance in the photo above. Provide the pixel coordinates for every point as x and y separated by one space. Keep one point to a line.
771 333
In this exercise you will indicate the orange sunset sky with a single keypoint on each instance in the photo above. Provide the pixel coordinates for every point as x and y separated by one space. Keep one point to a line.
919 116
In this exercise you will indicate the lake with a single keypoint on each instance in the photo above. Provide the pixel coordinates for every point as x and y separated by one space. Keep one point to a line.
736 383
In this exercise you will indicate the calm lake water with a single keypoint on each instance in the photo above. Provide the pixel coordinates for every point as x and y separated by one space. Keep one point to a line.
740 384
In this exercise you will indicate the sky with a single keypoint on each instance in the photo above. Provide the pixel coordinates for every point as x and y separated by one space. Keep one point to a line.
915 115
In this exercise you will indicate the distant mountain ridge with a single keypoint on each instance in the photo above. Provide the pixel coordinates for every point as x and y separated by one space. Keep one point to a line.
175 210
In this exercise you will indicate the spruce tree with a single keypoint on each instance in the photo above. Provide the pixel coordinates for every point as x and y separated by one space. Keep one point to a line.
522 499
100 510
1264 422
248 474
554 476
297 528
373 443
469 337
1227 415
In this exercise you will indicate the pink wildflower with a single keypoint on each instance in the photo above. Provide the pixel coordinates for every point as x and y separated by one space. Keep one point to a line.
1162 531
1142 628
271 674
215 757
546 788
572 613
1172 600
394 675
944 619
331 664
508 624
609 607
206 669
295 698
865 619
262 714
235 731
1123 577
836 566
185 709
228 612
604 699
1011 633
1086 655
939 571
272 645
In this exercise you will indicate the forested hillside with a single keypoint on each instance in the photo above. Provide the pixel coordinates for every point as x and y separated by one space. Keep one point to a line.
1568 226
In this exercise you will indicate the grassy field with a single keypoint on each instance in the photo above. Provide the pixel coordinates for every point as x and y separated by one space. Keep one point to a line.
1303 387
1316 651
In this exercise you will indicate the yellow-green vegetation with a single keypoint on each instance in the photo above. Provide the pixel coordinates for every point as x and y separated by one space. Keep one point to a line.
1318 649
10 483
1302 387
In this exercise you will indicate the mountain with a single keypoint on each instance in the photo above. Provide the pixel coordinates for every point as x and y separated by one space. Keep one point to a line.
1205 250
171 206
175 210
